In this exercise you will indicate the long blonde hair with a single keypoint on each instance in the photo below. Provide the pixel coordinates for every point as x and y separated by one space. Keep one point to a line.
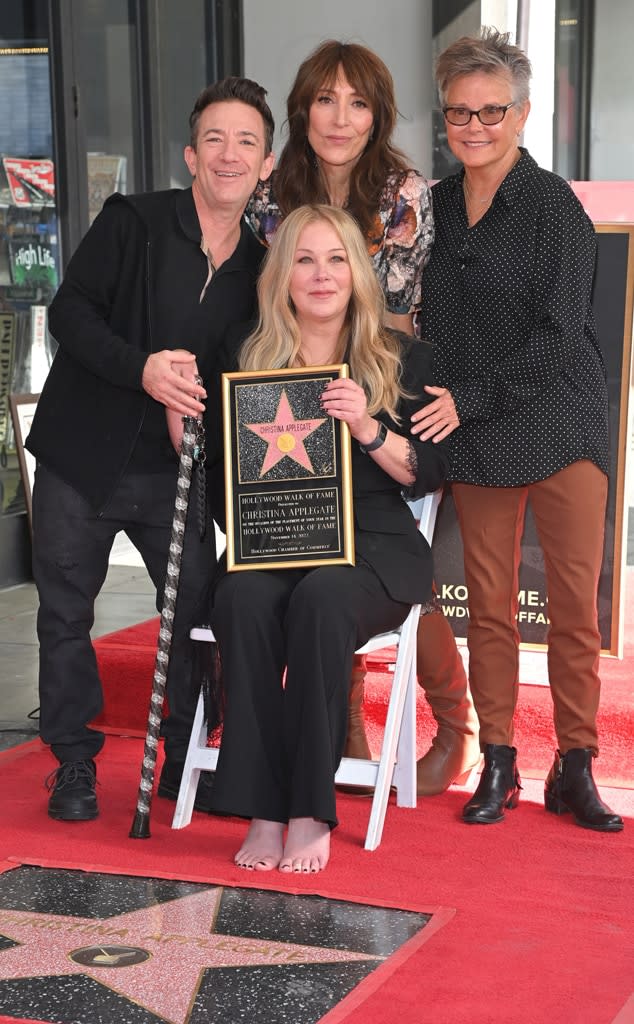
372 351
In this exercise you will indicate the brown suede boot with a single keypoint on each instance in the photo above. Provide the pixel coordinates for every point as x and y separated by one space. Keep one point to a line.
356 740
455 749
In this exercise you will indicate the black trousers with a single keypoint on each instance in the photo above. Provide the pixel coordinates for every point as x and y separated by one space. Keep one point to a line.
281 746
71 547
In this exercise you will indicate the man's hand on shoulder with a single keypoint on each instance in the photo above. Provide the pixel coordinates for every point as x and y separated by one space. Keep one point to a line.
169 377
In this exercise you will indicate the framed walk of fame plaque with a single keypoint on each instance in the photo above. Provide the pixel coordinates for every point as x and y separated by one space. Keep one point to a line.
287 471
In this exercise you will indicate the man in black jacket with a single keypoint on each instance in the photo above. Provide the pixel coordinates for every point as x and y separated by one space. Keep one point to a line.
155 282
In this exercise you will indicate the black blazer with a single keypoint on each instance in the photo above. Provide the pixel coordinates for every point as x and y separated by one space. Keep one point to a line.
386 535
93 406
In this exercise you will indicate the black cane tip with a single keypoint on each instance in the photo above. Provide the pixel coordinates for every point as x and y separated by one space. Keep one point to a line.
140 826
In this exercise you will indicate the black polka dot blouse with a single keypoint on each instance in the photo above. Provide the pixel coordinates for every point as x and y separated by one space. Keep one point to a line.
506 305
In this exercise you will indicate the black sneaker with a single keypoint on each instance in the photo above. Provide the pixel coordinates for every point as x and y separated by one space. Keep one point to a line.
170 780
72 788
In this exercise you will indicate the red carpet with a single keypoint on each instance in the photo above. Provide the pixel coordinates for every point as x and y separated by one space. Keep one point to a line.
126 664
543 931
538 912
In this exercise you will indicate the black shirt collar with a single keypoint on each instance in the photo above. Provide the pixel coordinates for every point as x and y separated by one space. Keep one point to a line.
187 216
525 169
248 249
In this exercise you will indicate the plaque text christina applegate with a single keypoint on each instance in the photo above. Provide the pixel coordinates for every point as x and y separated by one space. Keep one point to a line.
287 471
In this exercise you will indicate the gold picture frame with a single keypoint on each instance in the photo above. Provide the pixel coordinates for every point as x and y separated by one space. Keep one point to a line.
288 476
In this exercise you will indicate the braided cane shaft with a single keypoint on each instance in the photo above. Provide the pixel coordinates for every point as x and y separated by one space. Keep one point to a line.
141 824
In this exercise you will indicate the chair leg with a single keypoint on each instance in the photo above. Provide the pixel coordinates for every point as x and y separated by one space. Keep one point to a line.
405 779
191 768
404 680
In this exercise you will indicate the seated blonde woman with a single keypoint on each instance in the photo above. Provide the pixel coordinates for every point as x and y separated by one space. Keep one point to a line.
320 303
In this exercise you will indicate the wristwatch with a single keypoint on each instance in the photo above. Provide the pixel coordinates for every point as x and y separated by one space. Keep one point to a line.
378 440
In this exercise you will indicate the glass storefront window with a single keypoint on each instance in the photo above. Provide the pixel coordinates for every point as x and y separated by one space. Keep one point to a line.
30 263
96 96
107 74
29 256
183 32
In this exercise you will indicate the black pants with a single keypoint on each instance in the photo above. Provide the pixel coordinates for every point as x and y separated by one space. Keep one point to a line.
281 746
71 547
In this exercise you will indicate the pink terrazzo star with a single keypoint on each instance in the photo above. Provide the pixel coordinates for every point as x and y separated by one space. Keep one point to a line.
154 957
285 436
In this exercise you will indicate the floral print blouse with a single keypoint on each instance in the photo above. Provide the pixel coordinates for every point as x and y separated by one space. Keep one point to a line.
399 242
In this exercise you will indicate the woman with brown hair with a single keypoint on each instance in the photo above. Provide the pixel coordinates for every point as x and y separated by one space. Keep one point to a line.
341 114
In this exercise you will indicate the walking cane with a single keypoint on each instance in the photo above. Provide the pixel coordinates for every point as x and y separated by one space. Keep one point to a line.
141 823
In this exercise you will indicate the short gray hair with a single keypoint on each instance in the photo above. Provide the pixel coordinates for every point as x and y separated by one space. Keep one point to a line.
491 52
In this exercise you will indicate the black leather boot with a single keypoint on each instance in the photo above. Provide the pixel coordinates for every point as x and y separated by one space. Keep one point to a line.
570 787
72 788
499 787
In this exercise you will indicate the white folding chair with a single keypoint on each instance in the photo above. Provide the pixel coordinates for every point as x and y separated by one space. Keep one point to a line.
396 766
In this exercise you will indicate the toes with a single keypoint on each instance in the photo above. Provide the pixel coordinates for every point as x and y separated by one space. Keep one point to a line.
255 861
299 865
293 864
303 865
265 864
244 859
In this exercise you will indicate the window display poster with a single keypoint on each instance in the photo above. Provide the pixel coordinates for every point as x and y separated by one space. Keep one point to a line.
106 174
7 349
31 182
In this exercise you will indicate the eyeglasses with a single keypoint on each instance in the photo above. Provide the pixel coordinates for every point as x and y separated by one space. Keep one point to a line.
491 114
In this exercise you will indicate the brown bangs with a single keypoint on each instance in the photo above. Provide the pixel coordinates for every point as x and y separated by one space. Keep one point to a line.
298 179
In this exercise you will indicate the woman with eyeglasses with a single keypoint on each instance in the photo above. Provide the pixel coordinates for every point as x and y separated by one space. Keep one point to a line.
341 117
522 397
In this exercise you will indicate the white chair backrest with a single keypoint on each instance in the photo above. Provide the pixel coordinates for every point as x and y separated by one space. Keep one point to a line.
425 511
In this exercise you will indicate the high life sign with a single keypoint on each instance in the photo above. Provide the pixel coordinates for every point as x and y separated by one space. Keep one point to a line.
29 256
32 263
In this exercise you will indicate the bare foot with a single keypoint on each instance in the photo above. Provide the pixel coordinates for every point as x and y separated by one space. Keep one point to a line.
262 847
307 846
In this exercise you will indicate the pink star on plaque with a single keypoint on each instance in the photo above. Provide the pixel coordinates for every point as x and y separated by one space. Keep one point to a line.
285 436
154 957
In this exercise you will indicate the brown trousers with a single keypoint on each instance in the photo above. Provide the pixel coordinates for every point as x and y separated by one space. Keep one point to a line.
569 513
